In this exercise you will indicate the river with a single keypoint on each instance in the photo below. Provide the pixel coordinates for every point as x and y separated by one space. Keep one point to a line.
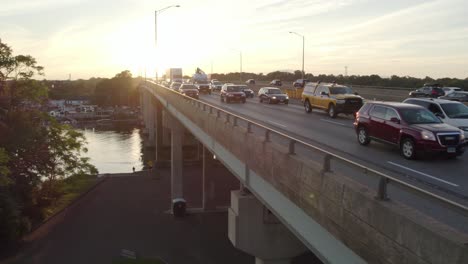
115 148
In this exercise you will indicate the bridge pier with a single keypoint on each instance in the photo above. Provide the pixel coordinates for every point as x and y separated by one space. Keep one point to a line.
256 231
177 133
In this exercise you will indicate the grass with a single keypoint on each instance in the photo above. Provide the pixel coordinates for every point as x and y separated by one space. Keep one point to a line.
72 187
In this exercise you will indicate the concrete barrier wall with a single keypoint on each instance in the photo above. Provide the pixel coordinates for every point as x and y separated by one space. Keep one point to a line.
378 231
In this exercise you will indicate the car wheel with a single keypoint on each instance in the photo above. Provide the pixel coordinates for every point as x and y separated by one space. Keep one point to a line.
260 99
222 99
307 106
331 111
243 101
407 149
269 101
286 103
363 136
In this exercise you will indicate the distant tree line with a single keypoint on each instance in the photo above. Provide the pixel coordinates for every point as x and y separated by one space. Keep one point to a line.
371 80
121 90
36 153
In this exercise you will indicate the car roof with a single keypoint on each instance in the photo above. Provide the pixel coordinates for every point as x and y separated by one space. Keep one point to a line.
327 84
395 104
434 100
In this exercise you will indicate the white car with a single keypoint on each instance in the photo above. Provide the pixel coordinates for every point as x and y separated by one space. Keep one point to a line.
450 112
449 90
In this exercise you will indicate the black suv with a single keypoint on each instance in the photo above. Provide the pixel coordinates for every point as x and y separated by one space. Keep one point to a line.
272 95
300 82
276 82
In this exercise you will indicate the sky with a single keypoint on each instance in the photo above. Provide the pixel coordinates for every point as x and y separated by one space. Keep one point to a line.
90 38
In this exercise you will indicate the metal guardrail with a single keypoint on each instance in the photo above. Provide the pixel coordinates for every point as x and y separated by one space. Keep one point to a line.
384 179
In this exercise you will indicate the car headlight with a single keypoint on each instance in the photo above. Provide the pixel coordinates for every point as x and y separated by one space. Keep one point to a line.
427 135
462 136
340 101
274 97
287 97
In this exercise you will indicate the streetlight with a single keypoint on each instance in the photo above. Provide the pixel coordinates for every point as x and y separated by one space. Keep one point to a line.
303 42
156 30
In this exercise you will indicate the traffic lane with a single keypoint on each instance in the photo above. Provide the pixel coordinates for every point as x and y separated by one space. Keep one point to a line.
441 213
339 134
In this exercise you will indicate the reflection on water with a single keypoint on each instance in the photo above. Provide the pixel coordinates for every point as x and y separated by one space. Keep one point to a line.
114 149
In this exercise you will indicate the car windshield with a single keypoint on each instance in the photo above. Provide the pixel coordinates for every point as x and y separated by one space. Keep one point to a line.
188 87
419 116
274 91
341 90
235 88
455 110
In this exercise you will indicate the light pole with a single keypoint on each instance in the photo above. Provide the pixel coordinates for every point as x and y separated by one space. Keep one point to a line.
303 42
156 31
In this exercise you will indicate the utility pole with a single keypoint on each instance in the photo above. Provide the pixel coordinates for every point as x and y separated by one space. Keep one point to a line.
303 50
346 71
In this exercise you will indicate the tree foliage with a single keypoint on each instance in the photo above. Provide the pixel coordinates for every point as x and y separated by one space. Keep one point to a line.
37 153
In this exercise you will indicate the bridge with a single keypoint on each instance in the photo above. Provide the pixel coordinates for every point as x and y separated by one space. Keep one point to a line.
305 184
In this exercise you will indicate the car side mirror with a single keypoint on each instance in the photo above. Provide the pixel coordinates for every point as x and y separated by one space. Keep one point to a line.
356 93
323 93
440 115
395 120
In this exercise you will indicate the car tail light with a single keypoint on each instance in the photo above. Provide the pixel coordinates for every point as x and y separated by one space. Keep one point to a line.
434 92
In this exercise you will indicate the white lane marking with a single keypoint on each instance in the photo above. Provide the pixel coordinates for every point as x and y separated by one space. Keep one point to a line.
423 174
333 122
274 123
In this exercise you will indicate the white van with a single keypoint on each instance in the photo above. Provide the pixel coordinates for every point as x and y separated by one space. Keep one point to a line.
450 112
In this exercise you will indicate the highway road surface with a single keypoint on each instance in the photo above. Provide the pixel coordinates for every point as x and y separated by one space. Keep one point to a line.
445 177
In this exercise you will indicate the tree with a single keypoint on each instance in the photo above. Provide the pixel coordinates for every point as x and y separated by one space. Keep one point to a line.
37 152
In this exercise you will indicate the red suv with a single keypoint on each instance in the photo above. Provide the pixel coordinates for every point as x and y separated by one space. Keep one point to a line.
414 129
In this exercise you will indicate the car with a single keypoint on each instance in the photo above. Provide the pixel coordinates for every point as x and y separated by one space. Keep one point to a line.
189 90
250 81
300 82
216 86
428 91
175 86
333 98
457 96
276 82
449 90
248 92
203 87
232 93
412 128
272 95
450 112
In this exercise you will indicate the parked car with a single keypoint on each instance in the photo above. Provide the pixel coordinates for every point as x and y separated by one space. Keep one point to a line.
189 90
450 112
449 90
272 95
232 93
333 98
412 128
216 86
276 82
300 82
457 96
248 92
428 91
250 81
175 86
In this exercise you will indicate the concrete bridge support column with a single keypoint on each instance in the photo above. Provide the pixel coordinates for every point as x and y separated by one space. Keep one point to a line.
151 124
256 231
144 111
159 131
177 133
